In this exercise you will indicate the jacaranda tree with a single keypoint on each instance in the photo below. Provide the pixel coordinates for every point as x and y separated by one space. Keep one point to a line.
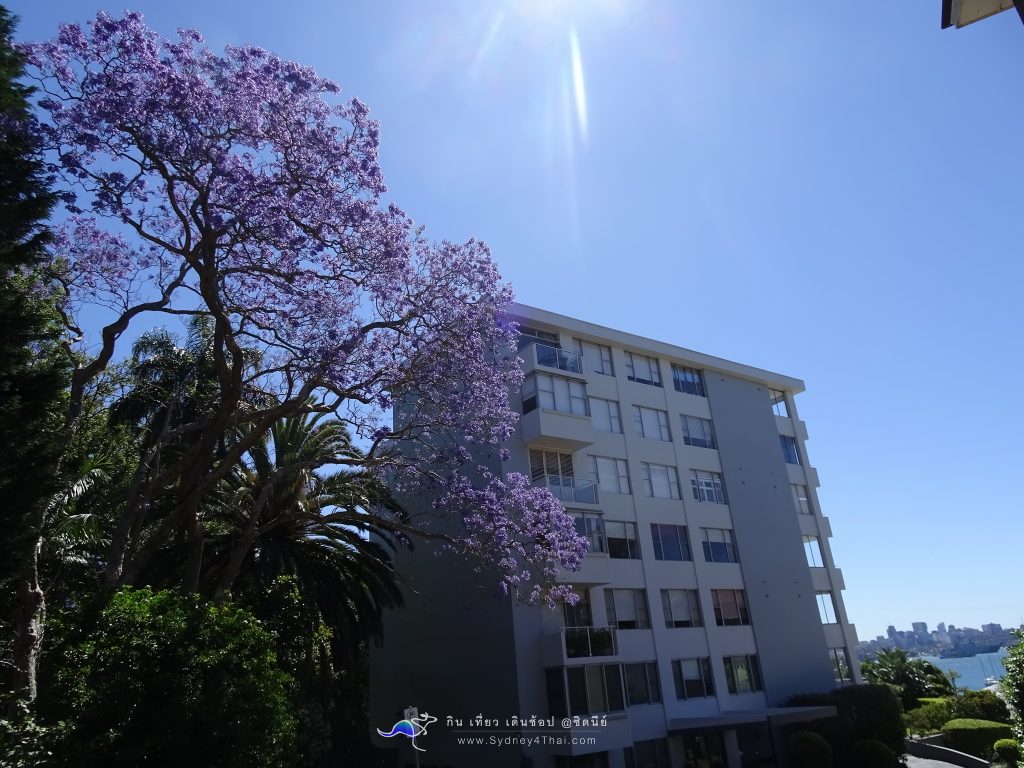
241 188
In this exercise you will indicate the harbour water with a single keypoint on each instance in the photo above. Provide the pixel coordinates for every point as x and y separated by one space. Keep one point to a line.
973 669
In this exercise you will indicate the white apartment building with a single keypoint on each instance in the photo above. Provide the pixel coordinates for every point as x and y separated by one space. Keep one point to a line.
708 597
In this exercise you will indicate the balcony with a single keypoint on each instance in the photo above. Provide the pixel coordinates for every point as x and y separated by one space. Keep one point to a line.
569 643
569 490
551 357
584 642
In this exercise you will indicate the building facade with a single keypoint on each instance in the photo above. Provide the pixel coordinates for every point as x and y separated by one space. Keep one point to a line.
708 596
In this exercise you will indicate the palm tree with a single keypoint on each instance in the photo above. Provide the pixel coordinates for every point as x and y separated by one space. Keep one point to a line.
277 517
911 679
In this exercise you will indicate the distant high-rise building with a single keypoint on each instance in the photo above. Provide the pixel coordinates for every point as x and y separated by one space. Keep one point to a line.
891 632
920 629
992 629
942 629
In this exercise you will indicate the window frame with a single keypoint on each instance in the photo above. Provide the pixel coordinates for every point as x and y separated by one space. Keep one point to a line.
653 369
671 477
606 406
639 606
827 609
642 425
803 504
707 431
698 478
706 679
648 671
752 667
731 554
632 543
607 362
730 607
688 380
696 618
594 464
813 551
791 450
661 531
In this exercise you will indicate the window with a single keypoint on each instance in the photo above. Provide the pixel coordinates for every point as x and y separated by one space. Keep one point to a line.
801 499
693 678
730 607
651 423
605 415
585 690
718 545
670 542
554 393
597 358
609 474
840 665
826 607
528 335
591 527
627 608
544 462
697 432
647 754
688 380
682 608
707 486
579 615
789 450
742 674
643 369
642 686
660 481
779 407
622 541
812 549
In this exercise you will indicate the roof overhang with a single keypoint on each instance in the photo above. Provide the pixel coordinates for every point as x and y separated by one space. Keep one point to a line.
960 13
771 715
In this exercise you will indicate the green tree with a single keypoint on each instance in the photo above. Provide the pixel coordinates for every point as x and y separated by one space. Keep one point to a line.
164 679
912 679
33 369
1013 682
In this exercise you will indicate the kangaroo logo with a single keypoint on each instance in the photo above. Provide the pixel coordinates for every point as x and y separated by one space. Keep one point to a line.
413 727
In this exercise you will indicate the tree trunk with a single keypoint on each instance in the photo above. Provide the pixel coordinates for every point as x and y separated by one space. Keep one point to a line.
29 617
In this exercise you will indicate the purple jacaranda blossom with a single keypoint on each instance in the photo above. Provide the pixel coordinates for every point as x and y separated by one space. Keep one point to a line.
243 187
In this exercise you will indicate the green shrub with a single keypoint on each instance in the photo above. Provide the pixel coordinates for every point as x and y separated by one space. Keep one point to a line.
929 718
865 713
873 753
975 737
808 750
978 705
165 679
1007 751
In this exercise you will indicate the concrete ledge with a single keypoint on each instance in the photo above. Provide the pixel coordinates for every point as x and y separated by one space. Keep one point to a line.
944 754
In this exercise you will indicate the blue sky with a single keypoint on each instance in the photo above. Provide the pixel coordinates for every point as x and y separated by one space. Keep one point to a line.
805 187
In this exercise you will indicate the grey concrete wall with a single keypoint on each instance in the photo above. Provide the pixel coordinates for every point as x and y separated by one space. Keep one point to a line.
790 638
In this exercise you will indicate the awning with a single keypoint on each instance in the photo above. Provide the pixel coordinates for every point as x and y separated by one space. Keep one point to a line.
738 718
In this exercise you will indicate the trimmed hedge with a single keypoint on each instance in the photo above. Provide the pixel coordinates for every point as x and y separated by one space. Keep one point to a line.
975 737
978 705
808 750
1007 751
875 754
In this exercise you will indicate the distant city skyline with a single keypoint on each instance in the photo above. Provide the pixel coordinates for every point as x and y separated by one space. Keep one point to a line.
907 626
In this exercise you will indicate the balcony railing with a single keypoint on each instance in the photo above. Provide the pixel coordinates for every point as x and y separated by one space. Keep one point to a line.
589 641
553 357
570 489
